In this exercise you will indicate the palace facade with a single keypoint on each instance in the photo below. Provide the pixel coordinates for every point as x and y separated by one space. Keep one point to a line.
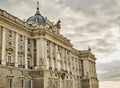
33 54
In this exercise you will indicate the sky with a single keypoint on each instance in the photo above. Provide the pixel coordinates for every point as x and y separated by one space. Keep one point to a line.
94 23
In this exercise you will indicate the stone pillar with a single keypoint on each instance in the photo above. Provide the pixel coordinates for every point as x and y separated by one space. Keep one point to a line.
56 51
46 61
26 60
70 62
3 61
85 62
66 68
51 56
37 52
16 50
78 67
62 53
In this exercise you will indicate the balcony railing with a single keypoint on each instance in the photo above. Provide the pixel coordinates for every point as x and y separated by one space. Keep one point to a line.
21 66
64 70
10 64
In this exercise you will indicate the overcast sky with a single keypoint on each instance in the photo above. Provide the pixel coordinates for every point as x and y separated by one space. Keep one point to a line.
86 23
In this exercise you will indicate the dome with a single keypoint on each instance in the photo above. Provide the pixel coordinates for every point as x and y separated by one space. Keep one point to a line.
37 18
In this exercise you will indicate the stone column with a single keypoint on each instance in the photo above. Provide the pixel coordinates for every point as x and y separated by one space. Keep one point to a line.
37 52
42 52
66 58
16 50
56 51
46 61
51 55
3 61
78 67
26 60
62 53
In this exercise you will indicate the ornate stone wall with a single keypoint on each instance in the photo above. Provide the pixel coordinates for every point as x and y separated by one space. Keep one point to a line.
0 42
42 58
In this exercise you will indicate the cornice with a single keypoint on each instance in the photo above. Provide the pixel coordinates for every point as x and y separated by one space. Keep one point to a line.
87 54
12 20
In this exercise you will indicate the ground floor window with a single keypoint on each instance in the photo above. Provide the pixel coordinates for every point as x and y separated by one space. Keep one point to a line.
30 84
22 83
9 82
50 85
56 84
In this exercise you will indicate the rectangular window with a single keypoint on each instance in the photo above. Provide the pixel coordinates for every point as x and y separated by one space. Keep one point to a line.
10 33
30 84
9 58
56 84
50 84
9 83
21 83
29 41
29 63
21 37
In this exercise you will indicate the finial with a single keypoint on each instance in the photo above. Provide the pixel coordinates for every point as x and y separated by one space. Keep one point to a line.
89 49
37 8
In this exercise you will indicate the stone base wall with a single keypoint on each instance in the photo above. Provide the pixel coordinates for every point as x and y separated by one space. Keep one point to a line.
16 75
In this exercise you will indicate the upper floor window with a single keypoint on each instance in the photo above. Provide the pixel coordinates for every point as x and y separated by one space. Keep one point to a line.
10 33
29 41
21 37
9 58
29 62
9 82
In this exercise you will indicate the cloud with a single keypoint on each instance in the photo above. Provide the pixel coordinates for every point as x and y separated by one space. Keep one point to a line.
86 23
109 84
109 71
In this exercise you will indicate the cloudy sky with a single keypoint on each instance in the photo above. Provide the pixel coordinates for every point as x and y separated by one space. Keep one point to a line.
86 23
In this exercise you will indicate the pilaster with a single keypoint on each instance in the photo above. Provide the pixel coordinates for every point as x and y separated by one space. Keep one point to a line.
16 50
3 62
26 61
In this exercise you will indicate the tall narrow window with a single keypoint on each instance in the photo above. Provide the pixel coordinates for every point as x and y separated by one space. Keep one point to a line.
9 58
21 60
50 84
21 83
30 84
21 37
29 63
10 33
9 83
29 41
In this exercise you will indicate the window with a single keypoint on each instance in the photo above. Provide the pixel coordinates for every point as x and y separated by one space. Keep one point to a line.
30 84
10 33
9 58
21 83
29 63
29 41
21 37
9 83
21 60
56 84
50 84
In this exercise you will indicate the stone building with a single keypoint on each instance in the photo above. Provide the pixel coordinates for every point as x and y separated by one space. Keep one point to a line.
33 54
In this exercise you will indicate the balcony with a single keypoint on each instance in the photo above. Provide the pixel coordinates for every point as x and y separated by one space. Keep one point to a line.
64 70
10 64
21 66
